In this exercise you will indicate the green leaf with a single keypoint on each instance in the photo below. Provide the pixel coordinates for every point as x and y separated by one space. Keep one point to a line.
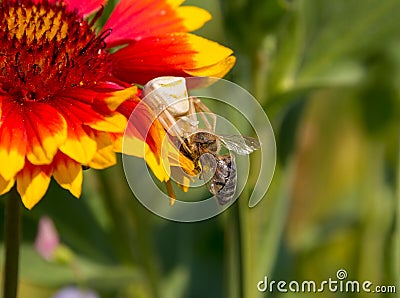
36 270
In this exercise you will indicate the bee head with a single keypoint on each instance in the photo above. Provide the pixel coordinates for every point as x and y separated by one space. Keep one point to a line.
206 142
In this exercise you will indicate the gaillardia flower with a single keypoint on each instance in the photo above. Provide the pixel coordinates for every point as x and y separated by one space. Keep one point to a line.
67 89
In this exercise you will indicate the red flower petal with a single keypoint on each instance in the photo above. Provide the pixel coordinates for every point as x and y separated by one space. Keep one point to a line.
104 98
46 130
174 54
85 115
79 107
13 140
84 7
35 1
134 21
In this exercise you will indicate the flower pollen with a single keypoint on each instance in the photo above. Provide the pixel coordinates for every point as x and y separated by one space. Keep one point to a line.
45 49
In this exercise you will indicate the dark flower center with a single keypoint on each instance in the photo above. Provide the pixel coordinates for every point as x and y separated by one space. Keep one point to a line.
44 49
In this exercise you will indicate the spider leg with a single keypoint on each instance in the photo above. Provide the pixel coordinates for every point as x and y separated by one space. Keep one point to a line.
192 109
172 127
171 192
202 108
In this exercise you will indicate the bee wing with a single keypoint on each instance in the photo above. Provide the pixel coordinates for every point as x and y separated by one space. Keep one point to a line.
208 168
242 145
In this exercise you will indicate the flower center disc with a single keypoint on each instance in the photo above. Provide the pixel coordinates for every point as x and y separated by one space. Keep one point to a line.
45 49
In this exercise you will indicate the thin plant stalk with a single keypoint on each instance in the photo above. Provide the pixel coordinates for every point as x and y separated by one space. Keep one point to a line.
233 261
12 237
397 229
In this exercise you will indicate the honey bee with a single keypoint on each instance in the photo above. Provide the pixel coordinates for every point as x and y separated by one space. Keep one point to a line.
218 171
177 114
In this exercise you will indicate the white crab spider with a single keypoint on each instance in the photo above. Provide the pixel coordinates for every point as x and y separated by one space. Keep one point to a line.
176 111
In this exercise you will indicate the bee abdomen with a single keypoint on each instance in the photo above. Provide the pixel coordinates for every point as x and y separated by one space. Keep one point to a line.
225 178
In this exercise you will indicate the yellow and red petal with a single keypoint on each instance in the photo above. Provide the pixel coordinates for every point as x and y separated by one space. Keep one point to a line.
117 140
46 130
175 54
68 174
79 145
5 185
112 123
133 22
157 149
13 140
129 145
133 146
79 107
175 3
160 167
170 158
159 162
104 98
217 70
32 183
192 17
156 159
161 172
114 99
142 124
91 111
105 155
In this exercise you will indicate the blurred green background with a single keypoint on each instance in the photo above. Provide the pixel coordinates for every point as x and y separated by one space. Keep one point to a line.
327 74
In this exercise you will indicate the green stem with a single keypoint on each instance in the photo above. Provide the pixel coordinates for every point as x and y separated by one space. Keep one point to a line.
397 229
246 244
233 261
12 236
127 217
116 210
259 76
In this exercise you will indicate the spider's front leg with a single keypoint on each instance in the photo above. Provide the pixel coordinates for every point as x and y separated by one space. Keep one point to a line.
201 108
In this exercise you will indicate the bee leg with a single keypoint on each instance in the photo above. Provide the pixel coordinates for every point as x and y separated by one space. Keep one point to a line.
171 192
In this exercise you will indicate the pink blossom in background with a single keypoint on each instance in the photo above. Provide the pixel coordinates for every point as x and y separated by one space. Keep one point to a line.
47 239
